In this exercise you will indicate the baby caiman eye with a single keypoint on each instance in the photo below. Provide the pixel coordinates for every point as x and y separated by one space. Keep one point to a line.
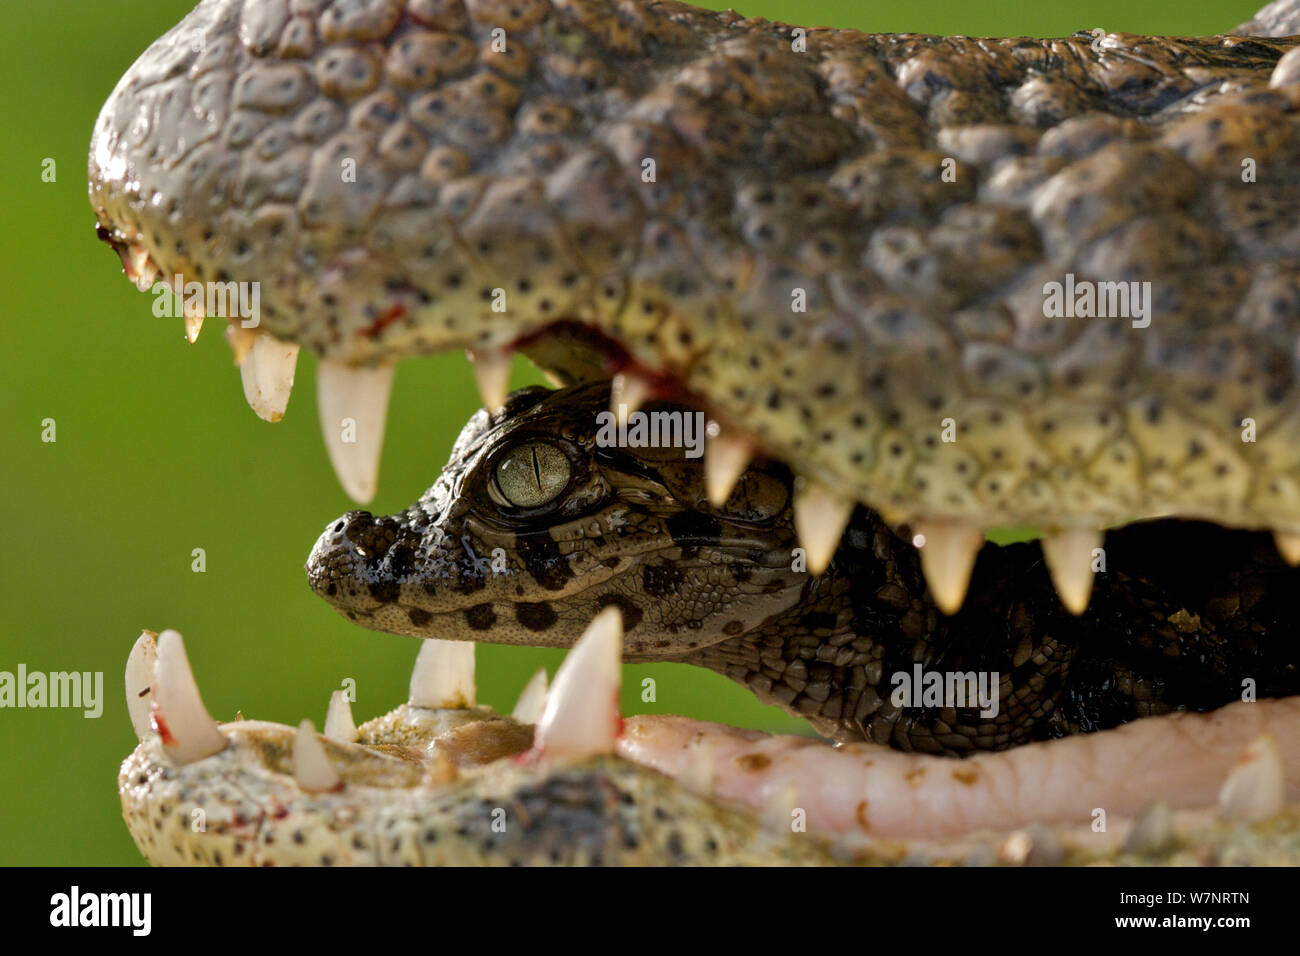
532 474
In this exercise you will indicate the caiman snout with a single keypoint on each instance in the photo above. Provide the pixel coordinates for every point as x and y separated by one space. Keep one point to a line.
359 561
395 573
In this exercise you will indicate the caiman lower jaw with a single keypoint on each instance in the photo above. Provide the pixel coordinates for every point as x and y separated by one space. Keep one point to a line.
565 780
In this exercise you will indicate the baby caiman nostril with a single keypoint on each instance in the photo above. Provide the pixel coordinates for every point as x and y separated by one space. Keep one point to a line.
349 551
369 537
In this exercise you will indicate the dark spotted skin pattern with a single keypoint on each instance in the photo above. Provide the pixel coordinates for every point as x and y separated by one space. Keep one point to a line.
1182 615
798 260
459 563
776 170
430 788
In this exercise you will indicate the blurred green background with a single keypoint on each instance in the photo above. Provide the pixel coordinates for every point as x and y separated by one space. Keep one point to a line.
157 454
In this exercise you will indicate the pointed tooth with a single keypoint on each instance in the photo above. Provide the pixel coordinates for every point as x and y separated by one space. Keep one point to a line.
139 682
1068 554
193 323
443 677
532 699
627 393
267 374
581 718
820 515
947 557
1288 545
240 341
188 732
311 765
360 395
339 724
143 271
492 373
1286 72
725 460
1255 788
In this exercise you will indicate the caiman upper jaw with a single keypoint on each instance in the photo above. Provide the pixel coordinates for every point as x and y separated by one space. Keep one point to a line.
393 184
839 250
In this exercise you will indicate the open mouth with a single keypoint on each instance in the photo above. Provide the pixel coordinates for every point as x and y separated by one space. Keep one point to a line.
673 214
1106 735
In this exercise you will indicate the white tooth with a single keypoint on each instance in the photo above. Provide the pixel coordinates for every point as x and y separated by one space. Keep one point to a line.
443 677
267 374
948 550
145 272
353 405
627 393
492 373
193 323
1256 787
1069 559
1288 545
725 459
139 682
188 732
311 765
581 718
240 341
532 699
339 724
819 519
1286 72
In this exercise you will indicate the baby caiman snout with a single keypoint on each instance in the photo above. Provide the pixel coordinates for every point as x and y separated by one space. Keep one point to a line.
360 563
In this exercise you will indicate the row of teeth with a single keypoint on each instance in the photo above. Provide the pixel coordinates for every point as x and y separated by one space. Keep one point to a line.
575 718
948 547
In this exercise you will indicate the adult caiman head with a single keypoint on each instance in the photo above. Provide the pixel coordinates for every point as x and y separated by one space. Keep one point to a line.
914 287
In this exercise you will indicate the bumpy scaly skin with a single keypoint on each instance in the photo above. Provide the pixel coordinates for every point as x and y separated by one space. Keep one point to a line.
222 156
444 787
429 788
631 528
1182 615
440 787
225 153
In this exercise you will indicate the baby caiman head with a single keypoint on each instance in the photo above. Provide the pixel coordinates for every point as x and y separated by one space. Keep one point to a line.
544 516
